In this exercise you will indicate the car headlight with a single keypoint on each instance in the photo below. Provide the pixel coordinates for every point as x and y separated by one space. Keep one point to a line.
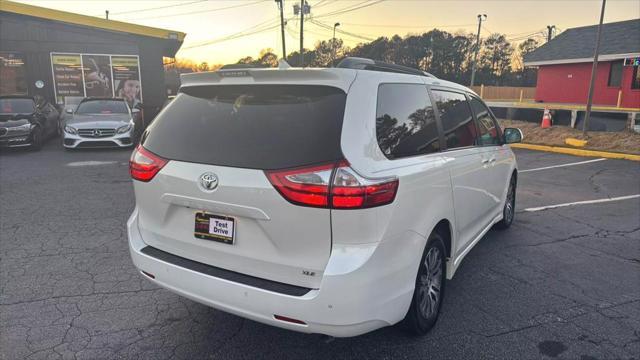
123 129
21 128
70 130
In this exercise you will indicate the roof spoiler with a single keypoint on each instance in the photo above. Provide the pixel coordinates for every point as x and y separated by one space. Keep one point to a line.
374 65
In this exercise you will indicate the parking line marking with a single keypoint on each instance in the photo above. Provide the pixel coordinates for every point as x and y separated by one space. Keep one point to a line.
619 198
563 165
90 163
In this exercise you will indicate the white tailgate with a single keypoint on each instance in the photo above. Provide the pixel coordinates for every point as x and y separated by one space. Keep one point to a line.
274 239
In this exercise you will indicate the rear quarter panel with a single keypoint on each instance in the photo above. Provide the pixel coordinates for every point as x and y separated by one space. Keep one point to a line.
424 194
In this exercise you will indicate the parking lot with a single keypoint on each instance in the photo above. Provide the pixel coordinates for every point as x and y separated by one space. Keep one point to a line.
563 282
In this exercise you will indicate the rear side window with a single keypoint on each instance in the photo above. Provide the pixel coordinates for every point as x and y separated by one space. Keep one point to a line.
455 116
405 121
487 128
251 126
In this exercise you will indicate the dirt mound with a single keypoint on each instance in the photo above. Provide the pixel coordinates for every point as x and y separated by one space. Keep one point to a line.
623 142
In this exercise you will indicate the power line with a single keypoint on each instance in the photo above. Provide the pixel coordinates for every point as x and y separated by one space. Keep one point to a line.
255 29
358 6
157 8
320 4
405 26
343 32
198 11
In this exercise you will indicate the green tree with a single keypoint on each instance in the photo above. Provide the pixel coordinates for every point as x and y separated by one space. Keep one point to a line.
495 59
204 66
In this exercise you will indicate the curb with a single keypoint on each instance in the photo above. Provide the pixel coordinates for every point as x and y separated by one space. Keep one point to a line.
577 152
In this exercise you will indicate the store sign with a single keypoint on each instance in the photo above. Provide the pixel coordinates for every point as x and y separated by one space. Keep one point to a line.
632 61
97 75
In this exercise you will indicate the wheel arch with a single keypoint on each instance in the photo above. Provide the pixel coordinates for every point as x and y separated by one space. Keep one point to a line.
445 230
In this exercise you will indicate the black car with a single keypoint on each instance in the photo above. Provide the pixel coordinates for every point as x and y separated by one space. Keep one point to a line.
26 121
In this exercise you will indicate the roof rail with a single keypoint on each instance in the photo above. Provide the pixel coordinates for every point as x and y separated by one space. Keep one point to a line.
374 65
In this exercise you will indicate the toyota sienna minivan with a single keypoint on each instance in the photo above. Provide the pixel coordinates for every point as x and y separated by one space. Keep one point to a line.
333 201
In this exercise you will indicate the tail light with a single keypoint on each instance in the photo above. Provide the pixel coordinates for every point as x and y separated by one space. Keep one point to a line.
144 165
334 185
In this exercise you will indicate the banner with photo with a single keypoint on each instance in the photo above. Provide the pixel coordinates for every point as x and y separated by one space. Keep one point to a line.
126 78
97 75
67 75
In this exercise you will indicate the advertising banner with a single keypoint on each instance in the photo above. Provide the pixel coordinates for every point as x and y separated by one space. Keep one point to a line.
12 74
126 77
97 75
67 75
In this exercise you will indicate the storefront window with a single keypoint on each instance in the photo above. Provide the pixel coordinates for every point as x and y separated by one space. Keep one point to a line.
635 81
12 73
615 74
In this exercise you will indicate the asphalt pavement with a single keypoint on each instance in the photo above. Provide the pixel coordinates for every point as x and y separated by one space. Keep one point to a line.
562 283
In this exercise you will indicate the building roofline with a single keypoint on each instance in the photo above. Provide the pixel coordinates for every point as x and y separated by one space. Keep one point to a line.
91 21
603 57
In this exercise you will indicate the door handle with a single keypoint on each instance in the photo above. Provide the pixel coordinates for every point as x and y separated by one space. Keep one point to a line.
488 161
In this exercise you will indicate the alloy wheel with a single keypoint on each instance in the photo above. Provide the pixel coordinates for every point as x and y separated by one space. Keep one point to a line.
509 208
430 283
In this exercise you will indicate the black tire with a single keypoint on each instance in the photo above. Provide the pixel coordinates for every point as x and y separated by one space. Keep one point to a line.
429 289
36 139
509 209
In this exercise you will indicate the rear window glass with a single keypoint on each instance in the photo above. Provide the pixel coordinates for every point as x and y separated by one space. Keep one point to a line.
405 121
102 107
457 121
251 126
17 106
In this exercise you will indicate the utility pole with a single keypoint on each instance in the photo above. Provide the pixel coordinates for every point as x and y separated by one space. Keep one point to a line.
106 14
284 48
585 125
550 29
302 33
475 56
333 45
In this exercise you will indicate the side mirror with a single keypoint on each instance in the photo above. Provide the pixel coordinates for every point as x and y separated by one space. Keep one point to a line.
69 111
512 135
135 111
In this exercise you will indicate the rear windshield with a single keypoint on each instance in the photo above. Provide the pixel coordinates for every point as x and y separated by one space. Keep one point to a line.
102 107
17 106
256 126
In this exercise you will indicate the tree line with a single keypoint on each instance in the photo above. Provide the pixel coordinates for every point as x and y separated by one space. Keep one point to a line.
445 55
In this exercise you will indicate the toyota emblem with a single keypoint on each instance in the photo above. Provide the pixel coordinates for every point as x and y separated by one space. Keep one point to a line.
208 181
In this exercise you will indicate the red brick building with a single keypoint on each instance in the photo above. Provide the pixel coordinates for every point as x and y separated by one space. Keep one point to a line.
564 66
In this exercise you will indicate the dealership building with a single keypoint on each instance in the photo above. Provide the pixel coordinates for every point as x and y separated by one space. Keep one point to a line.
65 56
565 64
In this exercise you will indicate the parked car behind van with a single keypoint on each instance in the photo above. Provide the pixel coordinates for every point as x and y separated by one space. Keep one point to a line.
333 201
26 121
99 122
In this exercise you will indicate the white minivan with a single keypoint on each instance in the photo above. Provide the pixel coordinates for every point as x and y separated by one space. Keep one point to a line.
333 201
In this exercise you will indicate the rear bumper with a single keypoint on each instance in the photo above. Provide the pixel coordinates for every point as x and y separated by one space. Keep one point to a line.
360 291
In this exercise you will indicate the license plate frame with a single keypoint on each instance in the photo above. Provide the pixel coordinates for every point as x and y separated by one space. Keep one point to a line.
206 230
